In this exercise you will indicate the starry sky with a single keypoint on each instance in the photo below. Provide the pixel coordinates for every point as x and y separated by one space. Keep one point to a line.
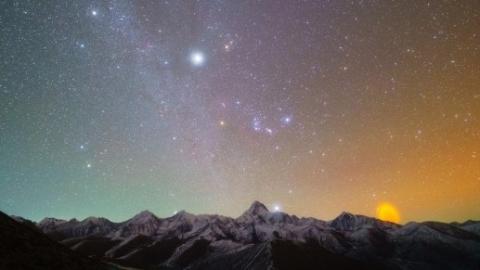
108 108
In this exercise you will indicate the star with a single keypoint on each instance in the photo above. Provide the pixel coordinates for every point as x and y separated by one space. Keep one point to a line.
197 58
249 105
286 120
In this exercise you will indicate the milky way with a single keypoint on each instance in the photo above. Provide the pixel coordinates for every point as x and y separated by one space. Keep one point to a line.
313 107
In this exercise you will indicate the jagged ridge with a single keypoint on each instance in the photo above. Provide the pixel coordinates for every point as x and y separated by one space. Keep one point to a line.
195 241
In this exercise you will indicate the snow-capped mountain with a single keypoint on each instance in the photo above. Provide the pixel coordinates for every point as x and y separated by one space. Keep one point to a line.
350 222
91 226
262 239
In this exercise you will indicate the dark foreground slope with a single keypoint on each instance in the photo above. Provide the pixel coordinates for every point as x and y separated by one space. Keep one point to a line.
24 247
282 255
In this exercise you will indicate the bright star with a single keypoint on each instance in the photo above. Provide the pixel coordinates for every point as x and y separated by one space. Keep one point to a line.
286 120
197 58
94 13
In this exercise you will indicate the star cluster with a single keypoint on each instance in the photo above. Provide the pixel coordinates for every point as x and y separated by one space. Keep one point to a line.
313 107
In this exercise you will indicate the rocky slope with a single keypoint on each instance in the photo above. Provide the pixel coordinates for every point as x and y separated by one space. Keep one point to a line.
25 247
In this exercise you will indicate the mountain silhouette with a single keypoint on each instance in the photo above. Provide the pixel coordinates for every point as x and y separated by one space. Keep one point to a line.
262 239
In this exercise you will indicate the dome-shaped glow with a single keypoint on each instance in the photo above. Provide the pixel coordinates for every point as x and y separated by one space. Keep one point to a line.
388 212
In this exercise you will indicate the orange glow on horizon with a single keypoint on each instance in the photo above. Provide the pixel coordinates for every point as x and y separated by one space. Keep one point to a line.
388 212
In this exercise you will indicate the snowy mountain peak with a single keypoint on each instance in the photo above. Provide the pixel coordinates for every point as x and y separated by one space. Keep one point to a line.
51 221
345 216
345 221
350 222
94 220
183 214
257 209
143 217
256 212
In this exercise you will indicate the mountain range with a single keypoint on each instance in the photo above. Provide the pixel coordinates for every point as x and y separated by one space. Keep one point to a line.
261 239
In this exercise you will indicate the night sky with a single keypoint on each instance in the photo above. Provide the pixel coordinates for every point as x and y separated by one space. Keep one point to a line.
313 107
